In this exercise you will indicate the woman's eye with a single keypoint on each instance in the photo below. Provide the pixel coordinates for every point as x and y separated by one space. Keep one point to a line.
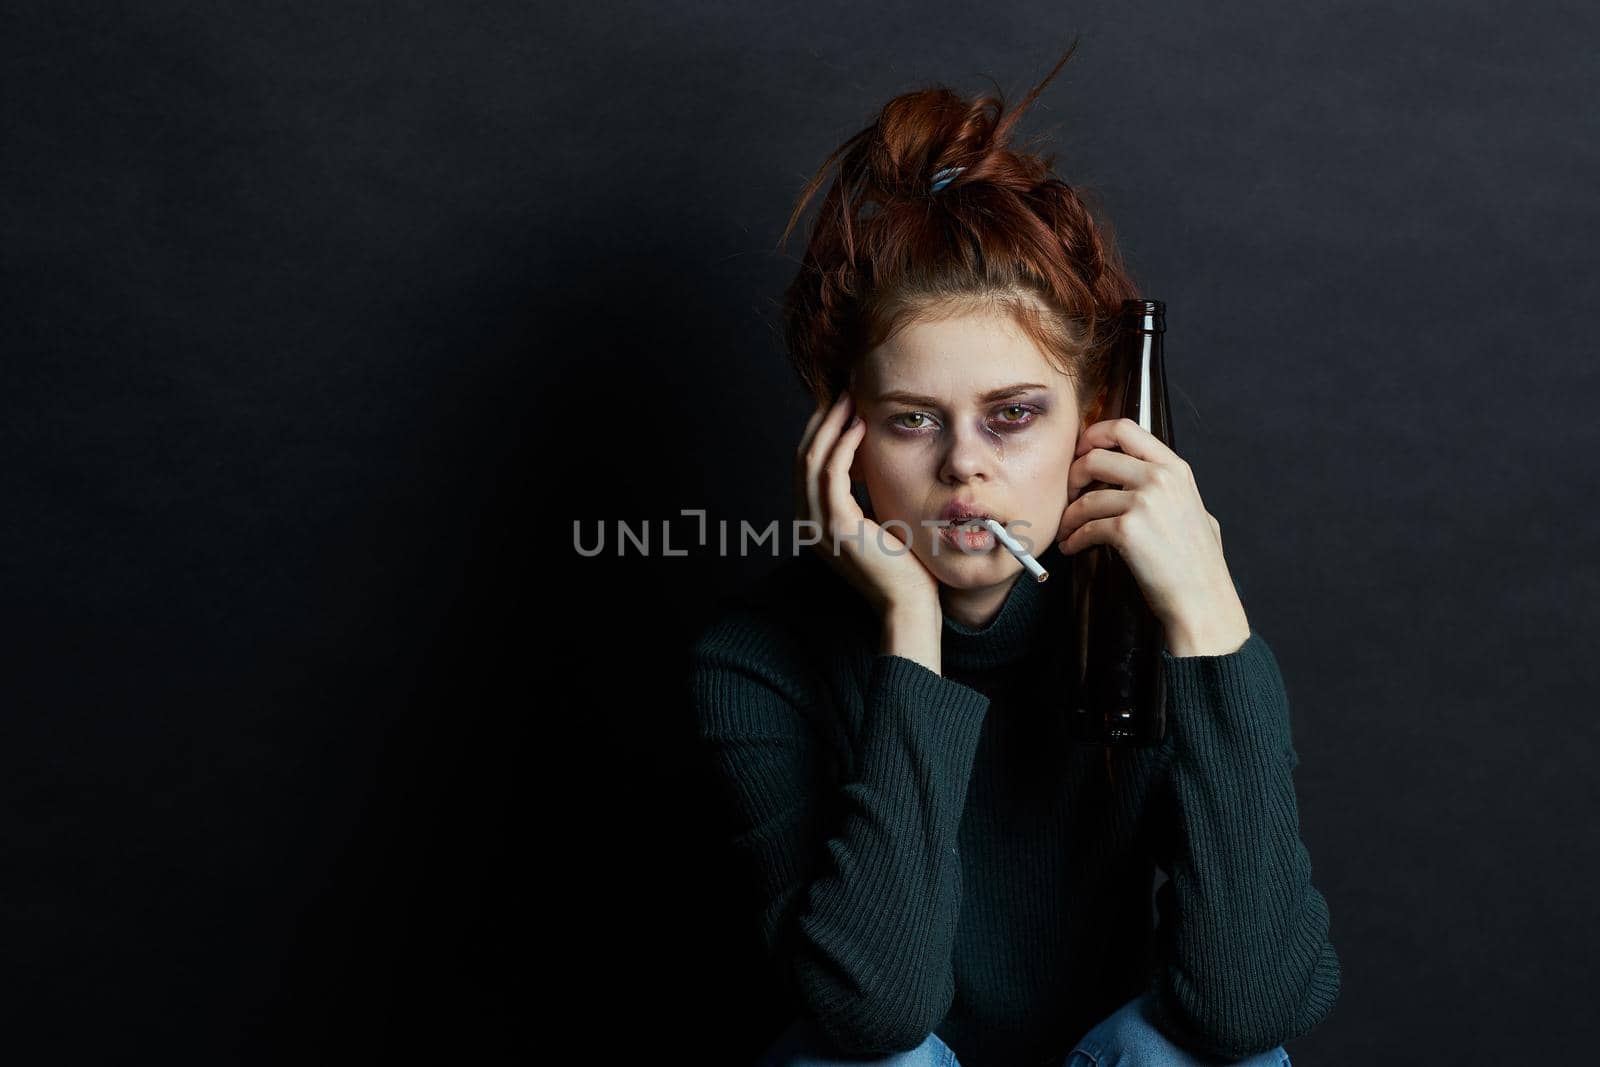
1025 414
912 415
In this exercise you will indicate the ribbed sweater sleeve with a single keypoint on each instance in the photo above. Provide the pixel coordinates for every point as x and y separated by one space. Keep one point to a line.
1246 960
856 861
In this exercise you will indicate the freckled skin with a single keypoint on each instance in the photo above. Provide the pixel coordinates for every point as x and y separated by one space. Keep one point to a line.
915 456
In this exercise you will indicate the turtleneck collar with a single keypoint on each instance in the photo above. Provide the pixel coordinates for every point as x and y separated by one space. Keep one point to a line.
1023 619
1032 611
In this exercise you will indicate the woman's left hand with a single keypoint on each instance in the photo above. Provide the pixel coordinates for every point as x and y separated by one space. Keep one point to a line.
1160 527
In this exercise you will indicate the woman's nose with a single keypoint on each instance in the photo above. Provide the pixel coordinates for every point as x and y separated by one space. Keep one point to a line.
972 449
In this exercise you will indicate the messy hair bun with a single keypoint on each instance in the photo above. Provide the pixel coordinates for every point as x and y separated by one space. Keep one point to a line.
933 212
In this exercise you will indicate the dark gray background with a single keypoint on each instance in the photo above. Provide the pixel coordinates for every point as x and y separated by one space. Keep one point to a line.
324 322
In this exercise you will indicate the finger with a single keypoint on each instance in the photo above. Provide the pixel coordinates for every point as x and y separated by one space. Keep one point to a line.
1127 435
813 422
836 478
821 447
1095 504
1093 532
1100 465
801 465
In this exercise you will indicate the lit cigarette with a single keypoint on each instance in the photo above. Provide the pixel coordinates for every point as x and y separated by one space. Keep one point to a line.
1022 554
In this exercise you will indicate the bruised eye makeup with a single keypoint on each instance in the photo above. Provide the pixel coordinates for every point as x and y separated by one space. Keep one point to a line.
1009 417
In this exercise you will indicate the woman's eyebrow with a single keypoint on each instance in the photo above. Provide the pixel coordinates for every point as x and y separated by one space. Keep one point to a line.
992 395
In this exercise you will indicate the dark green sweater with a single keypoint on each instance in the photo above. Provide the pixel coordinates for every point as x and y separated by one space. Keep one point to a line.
931 852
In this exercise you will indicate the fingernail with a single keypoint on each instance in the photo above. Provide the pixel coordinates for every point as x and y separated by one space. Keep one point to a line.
855 421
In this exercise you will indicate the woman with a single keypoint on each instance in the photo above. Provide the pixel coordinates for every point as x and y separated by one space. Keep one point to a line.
940 871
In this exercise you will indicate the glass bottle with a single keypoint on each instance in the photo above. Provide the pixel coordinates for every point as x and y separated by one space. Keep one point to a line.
1121 697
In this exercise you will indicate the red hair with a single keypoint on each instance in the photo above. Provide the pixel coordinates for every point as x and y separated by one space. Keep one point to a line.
1005 233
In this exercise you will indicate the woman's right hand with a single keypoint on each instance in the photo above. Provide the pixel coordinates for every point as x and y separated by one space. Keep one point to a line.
872 559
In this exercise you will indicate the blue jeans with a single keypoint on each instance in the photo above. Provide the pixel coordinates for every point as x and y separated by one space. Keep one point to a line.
1128 1037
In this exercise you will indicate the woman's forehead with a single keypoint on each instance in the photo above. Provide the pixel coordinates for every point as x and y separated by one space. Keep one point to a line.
956 360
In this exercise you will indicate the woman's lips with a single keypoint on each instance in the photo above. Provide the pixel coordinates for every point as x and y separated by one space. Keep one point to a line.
958 512
974 539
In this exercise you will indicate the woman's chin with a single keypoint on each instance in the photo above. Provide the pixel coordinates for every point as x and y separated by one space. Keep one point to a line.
969 572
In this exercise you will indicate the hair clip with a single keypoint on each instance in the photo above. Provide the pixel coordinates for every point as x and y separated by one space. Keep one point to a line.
942 179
